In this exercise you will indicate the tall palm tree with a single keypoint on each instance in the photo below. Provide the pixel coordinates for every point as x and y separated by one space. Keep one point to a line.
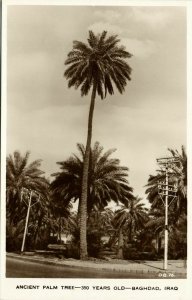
129 219
107 179
95 66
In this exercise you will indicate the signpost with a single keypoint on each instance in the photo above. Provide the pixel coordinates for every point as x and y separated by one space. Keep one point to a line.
167 192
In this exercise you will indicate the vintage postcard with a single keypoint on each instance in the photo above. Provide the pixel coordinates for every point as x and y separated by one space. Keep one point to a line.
95 179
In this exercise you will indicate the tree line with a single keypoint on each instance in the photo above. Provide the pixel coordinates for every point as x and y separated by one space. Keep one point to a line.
129 230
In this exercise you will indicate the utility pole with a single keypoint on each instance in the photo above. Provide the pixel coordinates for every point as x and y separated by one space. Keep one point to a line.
29 195
167 191
166 219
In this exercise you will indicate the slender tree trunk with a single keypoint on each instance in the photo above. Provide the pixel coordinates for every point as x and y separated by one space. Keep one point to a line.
130 233
60 229
37 230
120 245
84 191
158 243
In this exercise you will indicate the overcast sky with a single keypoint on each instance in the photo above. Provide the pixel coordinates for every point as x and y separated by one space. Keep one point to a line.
47 118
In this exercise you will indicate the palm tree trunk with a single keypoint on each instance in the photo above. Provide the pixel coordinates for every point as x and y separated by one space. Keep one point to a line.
84 191
130 233
60 229
40 219
120 244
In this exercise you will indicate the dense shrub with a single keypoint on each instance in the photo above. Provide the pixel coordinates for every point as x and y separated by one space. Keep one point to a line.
94 244
72 251
134 253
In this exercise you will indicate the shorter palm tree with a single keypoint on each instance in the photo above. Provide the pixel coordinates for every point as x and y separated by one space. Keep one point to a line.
14 235
177 227
22 176
101 222
63 216
179 169
178 175
99 227
107 179
128 220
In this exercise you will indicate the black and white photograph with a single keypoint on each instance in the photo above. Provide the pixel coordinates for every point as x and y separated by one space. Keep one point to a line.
94 150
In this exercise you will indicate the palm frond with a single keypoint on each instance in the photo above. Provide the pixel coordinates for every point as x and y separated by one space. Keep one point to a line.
98 64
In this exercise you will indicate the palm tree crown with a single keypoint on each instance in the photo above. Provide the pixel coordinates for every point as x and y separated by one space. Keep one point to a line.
98 63
131 217
19 175
107 179
178 175
180 171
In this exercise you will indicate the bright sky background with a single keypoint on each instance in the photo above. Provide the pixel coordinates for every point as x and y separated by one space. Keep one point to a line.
47 118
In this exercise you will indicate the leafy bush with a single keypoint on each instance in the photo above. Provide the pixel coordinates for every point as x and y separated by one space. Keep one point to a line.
134 254
94 243
14 236
130 253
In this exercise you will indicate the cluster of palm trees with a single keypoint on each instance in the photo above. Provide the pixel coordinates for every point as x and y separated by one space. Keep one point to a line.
130 223
94 179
